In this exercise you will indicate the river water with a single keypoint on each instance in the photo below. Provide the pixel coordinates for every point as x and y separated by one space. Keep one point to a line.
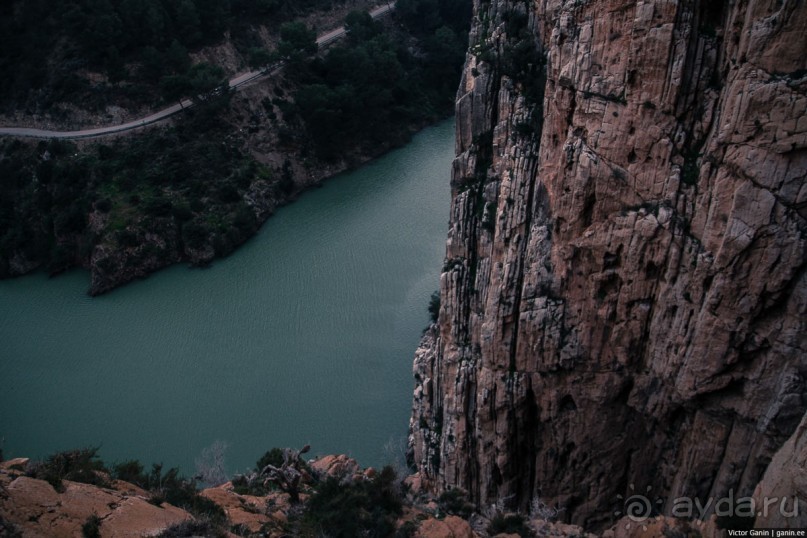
304 335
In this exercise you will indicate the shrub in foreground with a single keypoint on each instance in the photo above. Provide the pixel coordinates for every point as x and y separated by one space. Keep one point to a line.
80 465
92 527
361 508
187 529
508 524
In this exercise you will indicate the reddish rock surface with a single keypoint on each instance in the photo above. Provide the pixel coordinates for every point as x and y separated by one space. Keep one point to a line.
244 510
662 527
624 295
339 466
782 494
35 509
450 527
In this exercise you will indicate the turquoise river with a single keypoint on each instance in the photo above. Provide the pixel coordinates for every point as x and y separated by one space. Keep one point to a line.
304 335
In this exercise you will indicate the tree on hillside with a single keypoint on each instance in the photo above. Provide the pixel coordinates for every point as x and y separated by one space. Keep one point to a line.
188 23
360 26
205 79
214 17
421 16
255 8
446 53
201 82
176 57
296 41
175 87
260 57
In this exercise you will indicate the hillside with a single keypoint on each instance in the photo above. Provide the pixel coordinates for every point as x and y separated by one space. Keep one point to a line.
199 187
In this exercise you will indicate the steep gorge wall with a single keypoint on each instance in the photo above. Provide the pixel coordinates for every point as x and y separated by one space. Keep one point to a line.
624 294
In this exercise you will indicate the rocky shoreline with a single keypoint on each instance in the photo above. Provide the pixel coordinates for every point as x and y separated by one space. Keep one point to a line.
110 266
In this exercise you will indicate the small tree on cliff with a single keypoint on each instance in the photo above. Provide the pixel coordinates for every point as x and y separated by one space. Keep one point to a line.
210 468
434 306
290 474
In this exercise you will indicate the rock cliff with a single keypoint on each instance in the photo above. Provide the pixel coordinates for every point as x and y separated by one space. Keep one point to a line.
624 291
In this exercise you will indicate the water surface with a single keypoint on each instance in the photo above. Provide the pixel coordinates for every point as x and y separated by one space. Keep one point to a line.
303 335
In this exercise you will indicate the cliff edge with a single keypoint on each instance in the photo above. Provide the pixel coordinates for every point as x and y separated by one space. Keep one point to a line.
624 293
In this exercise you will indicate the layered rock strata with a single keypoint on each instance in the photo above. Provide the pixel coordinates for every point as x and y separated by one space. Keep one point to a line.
624 292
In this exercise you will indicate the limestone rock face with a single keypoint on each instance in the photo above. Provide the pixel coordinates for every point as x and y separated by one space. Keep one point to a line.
784 486
624 293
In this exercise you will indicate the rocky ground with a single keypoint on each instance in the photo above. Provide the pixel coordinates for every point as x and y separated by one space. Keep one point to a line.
31 507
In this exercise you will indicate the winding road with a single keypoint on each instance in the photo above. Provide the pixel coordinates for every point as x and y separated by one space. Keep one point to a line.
235 83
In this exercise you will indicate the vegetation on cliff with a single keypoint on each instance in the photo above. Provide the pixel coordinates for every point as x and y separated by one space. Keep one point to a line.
84 466
376 85
188 185
342 501
136 45
194 191
338 499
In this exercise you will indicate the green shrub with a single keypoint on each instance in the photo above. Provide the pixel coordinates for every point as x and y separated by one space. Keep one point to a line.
690 171
182 212
170 487
362 508
253 483
489 217
242 486
8 529
192 528
80 465
228 194
131 471
175 489
195 234
407 530
92 527
434 306
272 457
296 41
454 501
158 206
245 220
372 87
508 524
128 238
103 205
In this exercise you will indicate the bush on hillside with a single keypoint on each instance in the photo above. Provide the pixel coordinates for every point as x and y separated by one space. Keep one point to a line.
434 306
80 465
362 508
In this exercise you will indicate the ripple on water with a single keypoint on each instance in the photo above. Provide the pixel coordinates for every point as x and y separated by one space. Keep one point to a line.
304 335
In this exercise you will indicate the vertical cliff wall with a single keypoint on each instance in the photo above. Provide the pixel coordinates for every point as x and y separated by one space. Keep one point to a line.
624 292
